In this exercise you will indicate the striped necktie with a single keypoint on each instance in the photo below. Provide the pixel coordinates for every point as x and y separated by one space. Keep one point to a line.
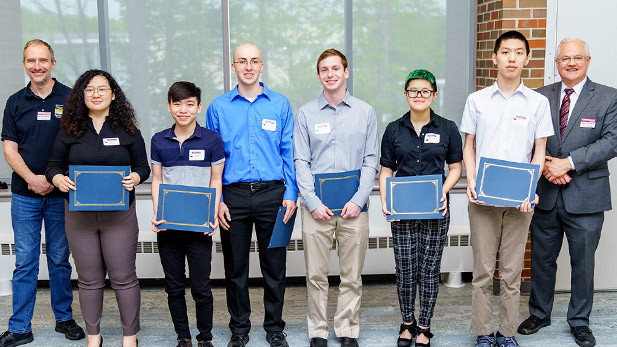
564 111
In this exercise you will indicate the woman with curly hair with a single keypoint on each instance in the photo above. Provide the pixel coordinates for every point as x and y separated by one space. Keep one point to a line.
99 128
419 143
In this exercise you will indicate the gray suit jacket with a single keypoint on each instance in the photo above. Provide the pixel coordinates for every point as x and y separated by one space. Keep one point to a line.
590 148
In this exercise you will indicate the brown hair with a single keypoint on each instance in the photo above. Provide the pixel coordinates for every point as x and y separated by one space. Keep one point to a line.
39 42
332 52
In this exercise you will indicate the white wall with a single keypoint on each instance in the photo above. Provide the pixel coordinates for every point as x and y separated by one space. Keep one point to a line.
594 22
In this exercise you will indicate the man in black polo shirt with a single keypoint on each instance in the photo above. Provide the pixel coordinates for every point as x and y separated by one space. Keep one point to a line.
29 127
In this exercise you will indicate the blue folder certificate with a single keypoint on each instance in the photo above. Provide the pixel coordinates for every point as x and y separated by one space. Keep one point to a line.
98 188
186 208
282 231
414 197
336 189
506 183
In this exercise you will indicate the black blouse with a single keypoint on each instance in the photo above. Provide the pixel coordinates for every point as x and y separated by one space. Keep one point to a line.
105 148
403 151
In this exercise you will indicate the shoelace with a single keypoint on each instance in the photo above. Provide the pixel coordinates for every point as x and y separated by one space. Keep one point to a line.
509 341
486 339
582 329
278 335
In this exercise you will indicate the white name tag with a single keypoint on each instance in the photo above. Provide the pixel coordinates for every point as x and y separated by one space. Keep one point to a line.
268 124
197 154
521 119
111 141
588 123
43 115
323 128
431 138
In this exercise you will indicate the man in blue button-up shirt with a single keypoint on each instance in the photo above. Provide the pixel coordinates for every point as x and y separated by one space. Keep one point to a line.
256 125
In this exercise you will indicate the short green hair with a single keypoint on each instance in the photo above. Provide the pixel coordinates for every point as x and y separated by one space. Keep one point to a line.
420 74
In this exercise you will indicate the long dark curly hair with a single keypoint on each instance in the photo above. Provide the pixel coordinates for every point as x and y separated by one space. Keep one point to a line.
121 112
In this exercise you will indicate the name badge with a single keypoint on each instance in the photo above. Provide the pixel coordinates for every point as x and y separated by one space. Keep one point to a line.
588 123
521 119
58 111
197 154
43 115
268 124
323 128
431 138
111 141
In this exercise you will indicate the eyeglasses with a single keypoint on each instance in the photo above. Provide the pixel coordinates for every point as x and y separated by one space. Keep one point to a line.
101 90
413 93
244 62
577 59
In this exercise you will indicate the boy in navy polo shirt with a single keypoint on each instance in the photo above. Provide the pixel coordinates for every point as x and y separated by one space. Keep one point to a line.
190 155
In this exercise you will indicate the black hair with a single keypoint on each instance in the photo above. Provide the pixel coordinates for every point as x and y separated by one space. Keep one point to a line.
121 112
183 90
508 35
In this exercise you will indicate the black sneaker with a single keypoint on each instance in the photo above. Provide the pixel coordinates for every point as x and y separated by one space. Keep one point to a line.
238 340
532 324
70 329
9 339
583 336
277 339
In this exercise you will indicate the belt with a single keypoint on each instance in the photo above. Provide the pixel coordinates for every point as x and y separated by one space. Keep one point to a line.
258 185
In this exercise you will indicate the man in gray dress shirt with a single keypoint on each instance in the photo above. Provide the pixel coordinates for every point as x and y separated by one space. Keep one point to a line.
335 132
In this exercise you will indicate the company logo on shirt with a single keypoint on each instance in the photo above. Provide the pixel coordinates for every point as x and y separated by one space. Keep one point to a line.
58 111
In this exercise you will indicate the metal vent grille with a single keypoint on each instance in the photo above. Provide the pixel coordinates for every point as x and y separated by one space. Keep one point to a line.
458 241
7 249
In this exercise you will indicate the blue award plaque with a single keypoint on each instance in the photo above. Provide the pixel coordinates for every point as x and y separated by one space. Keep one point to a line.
98 188
282 231
506 183
186 208
414 197
336 189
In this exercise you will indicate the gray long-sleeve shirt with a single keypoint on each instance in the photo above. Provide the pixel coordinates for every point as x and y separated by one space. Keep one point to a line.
329 139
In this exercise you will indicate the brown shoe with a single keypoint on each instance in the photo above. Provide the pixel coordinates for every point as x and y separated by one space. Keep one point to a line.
185 343
205 344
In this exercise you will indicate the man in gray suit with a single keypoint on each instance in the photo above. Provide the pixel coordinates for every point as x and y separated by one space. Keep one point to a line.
574 190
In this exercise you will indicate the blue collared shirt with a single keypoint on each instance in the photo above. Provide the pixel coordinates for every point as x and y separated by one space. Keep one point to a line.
257 137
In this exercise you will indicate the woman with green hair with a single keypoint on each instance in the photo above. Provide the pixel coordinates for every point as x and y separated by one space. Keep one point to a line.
419 143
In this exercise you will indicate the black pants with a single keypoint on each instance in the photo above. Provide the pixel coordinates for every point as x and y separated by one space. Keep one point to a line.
247 208
583 235
174 247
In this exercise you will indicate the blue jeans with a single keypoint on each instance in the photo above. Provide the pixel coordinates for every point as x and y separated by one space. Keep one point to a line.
27 214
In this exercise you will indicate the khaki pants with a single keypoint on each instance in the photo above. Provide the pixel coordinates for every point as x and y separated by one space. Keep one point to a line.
352 237
493 229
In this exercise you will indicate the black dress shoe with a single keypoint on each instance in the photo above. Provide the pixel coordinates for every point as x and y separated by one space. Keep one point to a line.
277 339
583 336
9 339
349 342
401 342
532 324
426 332
319 342
238 340
70 329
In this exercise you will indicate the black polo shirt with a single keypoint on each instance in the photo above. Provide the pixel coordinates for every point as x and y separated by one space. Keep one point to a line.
104 148
403 151
33 123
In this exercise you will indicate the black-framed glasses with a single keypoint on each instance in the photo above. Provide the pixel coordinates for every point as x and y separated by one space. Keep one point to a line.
101 90
244 62
578 59
414 93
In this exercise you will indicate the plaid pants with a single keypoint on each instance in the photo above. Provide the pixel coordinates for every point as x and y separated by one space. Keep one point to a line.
418 246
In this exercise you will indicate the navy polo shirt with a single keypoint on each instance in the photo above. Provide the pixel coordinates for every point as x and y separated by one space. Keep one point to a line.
33 123
188 163
403 151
